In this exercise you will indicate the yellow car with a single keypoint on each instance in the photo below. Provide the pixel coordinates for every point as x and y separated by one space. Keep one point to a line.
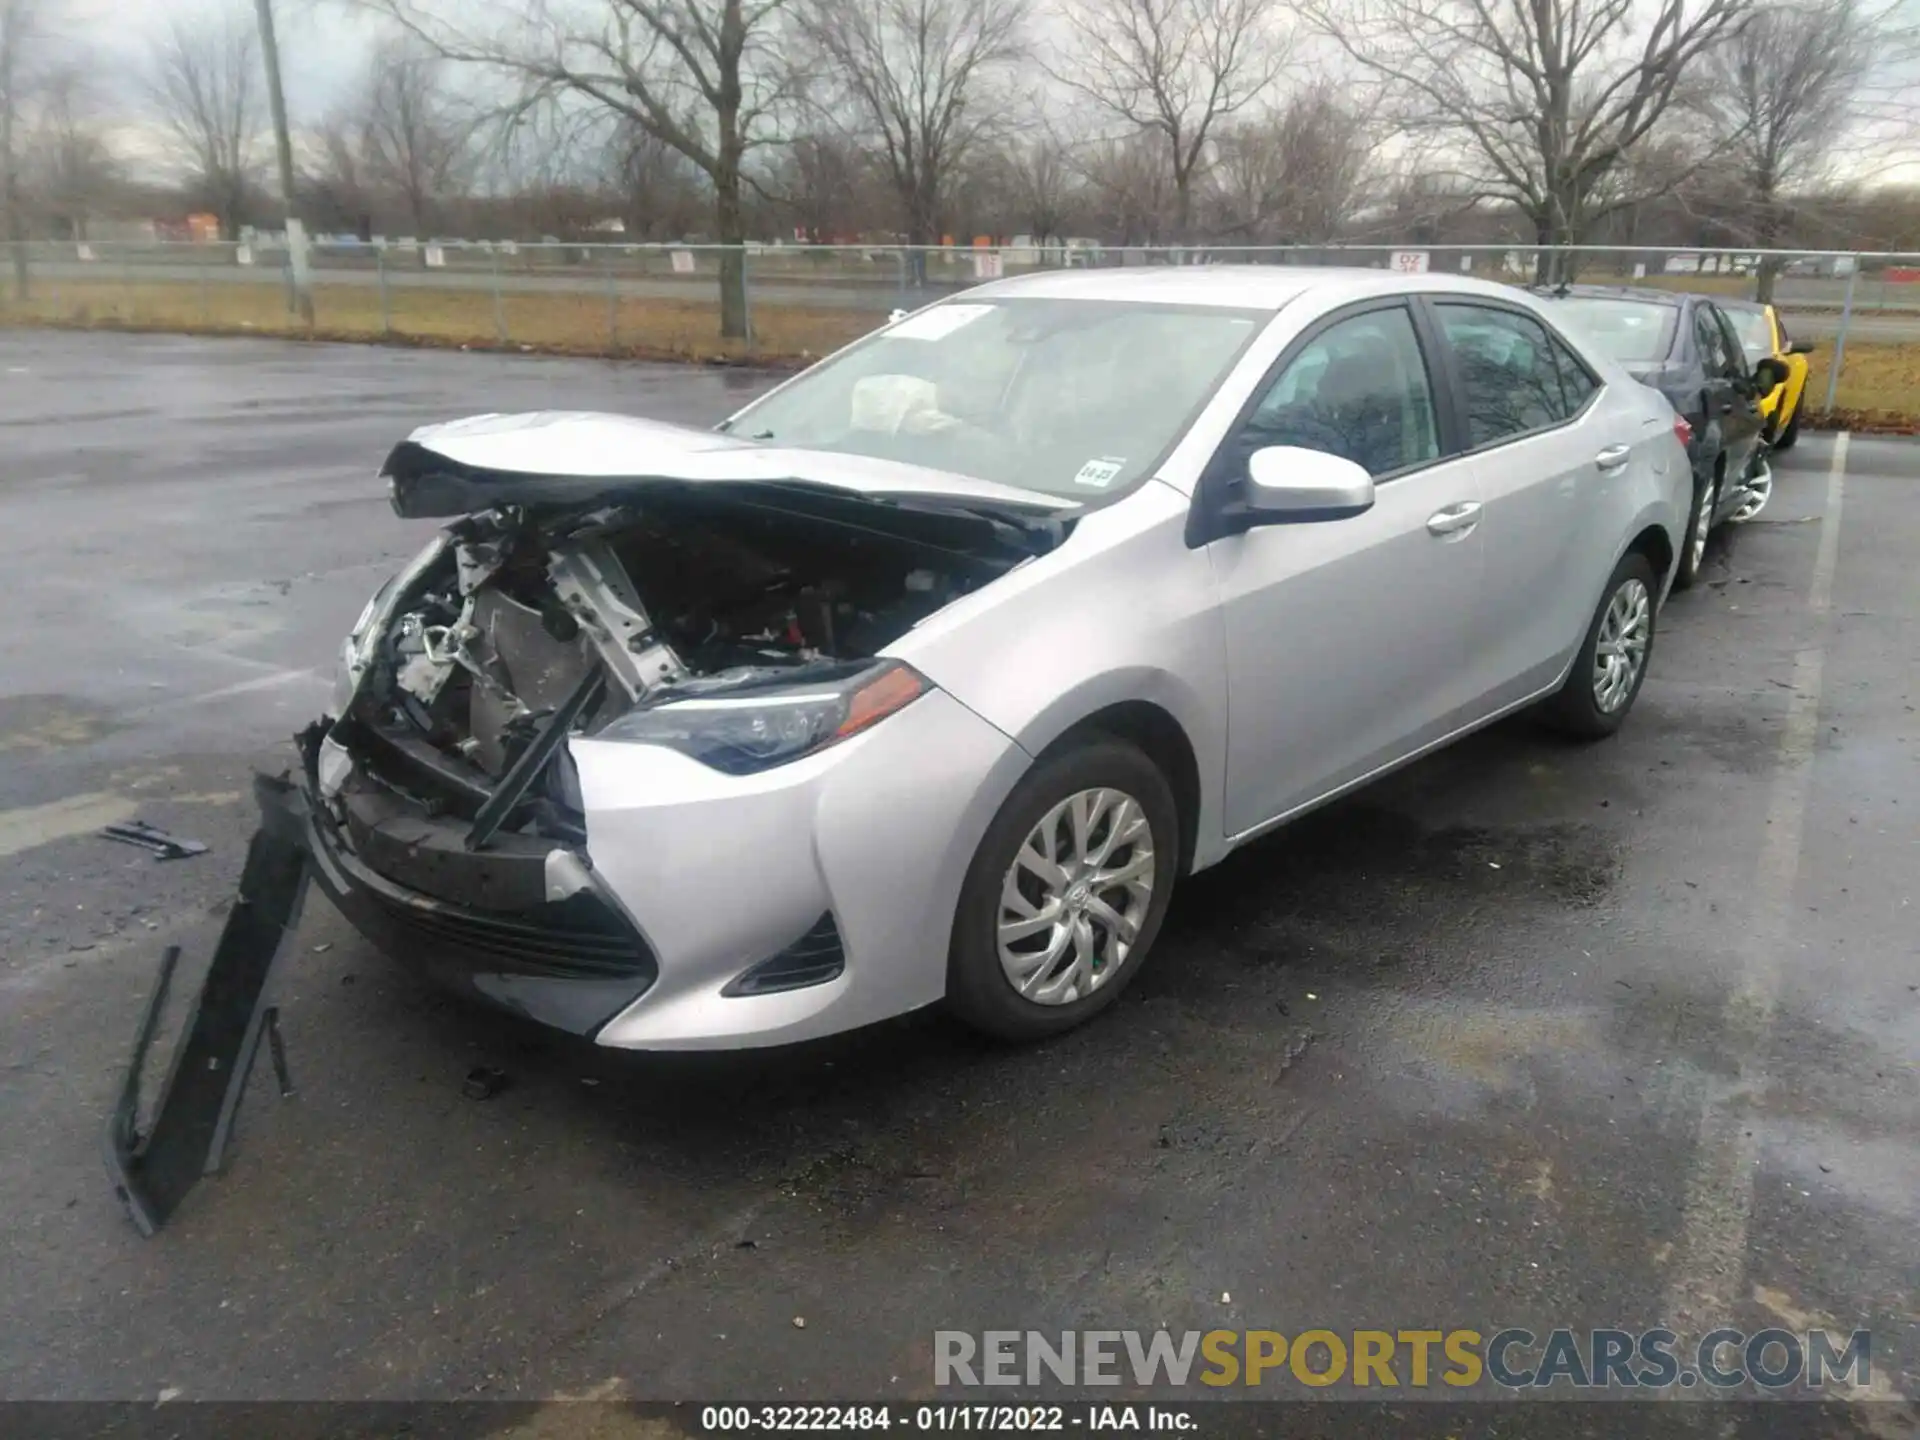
1762 333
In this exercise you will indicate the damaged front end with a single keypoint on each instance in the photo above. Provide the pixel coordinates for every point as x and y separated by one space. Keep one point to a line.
657 610
740 621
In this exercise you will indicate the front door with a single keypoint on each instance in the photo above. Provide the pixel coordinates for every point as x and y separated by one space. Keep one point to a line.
1347 639
1733 403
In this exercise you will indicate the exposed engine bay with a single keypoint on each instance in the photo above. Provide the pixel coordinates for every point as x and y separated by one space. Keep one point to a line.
528 612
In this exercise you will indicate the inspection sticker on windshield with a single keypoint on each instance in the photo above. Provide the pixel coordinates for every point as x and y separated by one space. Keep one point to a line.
1102 472
937 323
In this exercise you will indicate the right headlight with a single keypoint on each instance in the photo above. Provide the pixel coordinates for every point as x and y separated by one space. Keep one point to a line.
752 724
356 651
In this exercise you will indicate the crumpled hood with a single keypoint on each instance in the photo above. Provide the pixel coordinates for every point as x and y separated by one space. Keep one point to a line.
569 457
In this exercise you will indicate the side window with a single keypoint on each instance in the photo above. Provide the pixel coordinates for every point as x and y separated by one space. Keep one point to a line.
1576 381
1737 367
1509 369
1359 390
1712 344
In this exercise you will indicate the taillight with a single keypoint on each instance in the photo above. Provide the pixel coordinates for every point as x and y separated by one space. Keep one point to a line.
1682 431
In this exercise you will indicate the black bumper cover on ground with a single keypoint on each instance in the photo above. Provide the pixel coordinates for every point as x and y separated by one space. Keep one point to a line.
572 963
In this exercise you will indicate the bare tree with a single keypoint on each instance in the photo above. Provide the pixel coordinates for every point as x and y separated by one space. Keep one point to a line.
704 77
336 195
1781 101
21 36
660 195
918 73
1131 190
1540 100
1173 69
1291 176
821 180
1043 188
208 90
414 142
72 167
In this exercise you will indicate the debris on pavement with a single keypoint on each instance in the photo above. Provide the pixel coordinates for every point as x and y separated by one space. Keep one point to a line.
484 1082
152 837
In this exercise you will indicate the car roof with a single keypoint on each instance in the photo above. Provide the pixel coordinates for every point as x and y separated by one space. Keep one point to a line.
1674 298
1244 287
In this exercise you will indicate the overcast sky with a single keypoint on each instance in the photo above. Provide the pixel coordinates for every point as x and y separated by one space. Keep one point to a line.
323 44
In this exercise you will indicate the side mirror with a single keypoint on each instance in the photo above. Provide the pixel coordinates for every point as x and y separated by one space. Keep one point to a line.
1769 372
1801 347
1289 485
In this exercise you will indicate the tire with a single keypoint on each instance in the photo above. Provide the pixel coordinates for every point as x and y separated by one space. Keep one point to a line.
1693 548
1584 707
1792 432
980 985
1757 491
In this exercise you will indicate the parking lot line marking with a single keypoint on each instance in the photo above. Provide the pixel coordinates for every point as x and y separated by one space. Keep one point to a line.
32 826
1709 1266
247 687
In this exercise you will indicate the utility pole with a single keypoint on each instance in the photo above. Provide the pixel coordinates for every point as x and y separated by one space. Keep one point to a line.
301 299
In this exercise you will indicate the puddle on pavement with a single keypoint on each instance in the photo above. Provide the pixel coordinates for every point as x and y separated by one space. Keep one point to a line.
42 723
1362 862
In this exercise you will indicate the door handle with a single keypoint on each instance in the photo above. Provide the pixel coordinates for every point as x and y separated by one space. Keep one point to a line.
1613 457
1455 519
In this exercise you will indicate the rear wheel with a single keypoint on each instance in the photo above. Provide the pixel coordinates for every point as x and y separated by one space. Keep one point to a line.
1759 490
1065 894
1693 554
1612 663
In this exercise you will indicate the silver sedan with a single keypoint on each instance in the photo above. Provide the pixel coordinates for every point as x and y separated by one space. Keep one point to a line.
928 675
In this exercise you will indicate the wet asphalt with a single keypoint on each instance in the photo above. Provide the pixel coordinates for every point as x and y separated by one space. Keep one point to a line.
1529 1034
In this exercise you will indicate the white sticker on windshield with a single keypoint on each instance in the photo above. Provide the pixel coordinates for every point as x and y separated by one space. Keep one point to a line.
937 323
1102 472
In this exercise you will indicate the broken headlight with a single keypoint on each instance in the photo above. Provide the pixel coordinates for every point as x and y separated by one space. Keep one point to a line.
742 724
356 651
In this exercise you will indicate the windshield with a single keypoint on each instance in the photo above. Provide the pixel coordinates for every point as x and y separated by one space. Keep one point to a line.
1756 336
1632 332
1075 398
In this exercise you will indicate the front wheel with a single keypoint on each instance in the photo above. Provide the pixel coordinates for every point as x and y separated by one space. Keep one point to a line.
1612 663
1065 894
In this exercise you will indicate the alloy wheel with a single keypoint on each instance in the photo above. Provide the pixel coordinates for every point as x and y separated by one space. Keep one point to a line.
1702 527
1759 491
1620 649
1074 899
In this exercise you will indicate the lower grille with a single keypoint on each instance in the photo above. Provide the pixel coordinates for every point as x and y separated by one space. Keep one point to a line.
815 958
557 950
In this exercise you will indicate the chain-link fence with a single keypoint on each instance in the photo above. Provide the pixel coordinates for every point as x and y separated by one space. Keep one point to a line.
1861 311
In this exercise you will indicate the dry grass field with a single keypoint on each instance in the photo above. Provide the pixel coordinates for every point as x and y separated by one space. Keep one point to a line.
1879 383
547 322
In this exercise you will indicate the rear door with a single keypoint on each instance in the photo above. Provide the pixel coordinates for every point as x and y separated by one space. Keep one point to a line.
1544 454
